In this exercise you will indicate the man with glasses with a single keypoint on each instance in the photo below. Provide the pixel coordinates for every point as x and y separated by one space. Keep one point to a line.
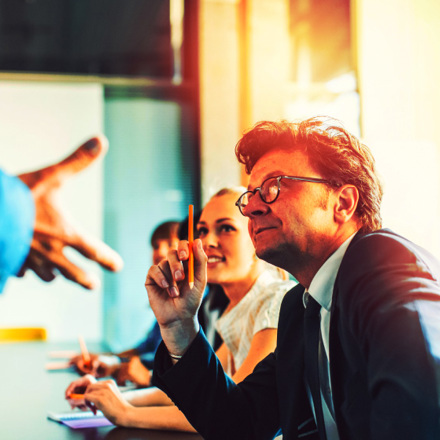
358 350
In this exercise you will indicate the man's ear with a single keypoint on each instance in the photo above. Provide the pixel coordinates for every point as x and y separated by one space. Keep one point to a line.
347 201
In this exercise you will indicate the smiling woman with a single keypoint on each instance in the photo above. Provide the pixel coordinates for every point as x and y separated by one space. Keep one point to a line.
255 289
248 326
225 238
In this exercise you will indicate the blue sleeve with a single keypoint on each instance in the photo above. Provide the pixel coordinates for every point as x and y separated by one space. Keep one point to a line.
17 216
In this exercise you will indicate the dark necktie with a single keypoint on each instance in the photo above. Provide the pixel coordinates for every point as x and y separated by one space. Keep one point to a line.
311 345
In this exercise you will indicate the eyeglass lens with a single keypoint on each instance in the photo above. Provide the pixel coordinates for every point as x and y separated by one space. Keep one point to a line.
269 191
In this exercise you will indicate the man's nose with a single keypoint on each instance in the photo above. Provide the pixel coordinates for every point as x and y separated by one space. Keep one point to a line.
255 207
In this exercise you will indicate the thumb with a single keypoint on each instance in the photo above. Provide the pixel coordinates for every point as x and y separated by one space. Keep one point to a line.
200 264
80 159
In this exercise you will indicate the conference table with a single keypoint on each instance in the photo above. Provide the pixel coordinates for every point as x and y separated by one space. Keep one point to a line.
28 392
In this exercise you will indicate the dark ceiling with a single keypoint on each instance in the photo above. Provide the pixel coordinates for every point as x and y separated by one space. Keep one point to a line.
99 37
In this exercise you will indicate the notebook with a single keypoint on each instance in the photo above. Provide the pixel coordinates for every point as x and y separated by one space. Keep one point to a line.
80 419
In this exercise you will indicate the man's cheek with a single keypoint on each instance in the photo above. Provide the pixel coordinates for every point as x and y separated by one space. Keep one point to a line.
251 233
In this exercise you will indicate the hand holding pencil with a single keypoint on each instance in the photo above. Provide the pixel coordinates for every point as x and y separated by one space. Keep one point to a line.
85 363
74 393
85 353
174 302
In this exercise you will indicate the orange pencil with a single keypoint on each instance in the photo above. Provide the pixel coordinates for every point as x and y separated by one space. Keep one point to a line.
190 240
74 396
84 352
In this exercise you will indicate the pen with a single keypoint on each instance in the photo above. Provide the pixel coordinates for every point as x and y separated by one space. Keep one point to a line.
84 353
190 240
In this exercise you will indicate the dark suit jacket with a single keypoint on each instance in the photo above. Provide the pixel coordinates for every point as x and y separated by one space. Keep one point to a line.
384 357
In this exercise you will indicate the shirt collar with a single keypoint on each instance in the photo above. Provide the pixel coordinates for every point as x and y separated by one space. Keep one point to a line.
321 287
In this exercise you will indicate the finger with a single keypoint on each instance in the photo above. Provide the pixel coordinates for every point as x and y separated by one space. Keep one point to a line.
98 389
164 267
92 406
80 385
183 250
96 250
81 158
157 277
76 387
52 253
69 390
175 265
42 269
80 389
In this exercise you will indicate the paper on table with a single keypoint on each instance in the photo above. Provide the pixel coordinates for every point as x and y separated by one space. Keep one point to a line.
94 422
80 419
58 365
63 354
72 415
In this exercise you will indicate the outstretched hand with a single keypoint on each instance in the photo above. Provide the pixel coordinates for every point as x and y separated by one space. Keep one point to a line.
171 299
53 231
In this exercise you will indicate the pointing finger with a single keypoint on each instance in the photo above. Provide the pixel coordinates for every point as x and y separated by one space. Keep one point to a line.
80 159
96 250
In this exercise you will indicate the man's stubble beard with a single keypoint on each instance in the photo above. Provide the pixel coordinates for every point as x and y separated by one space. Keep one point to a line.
283 256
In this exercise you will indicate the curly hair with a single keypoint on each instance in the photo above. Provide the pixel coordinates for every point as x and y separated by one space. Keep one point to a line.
338 155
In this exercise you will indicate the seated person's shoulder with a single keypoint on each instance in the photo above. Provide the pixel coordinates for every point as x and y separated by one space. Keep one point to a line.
385 267
269 300
386 248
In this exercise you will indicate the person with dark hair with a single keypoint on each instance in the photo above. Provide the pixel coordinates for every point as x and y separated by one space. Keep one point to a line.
164 238
358 348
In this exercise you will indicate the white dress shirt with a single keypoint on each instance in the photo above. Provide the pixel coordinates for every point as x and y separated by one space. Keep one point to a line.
321 289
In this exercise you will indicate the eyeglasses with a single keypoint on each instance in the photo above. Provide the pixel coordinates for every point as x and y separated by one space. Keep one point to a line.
270 189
